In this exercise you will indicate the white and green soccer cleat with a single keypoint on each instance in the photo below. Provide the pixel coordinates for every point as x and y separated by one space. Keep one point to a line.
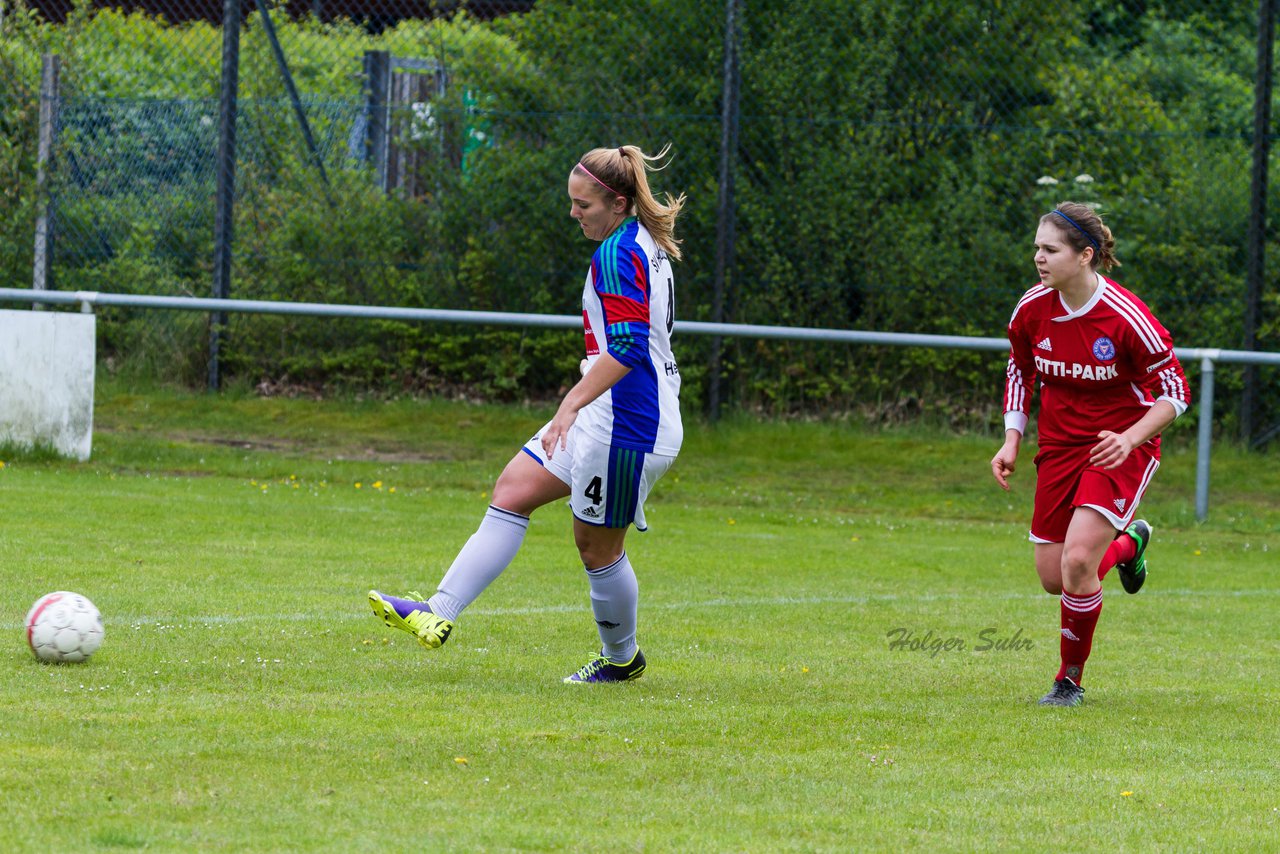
412 616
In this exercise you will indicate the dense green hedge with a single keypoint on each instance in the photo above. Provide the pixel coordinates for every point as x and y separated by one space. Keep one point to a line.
890 172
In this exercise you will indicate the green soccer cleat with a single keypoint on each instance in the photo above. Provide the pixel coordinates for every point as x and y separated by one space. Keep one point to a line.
1064 693
412 616
1134 572
601 669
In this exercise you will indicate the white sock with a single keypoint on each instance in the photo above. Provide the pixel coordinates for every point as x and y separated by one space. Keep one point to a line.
486 554
615 599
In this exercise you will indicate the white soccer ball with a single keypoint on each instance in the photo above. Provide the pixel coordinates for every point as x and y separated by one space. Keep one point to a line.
63 626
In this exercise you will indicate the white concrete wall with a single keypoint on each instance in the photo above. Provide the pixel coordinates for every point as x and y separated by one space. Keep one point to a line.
46 379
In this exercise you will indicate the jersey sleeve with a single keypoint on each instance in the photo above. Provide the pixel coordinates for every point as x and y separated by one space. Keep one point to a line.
1162 374
1020 379
621 279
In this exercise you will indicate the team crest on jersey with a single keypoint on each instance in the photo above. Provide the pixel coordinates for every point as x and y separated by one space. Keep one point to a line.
1104 350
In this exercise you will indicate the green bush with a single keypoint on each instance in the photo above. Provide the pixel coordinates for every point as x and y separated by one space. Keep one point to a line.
889 175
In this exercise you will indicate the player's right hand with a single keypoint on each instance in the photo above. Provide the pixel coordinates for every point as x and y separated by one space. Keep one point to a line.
1003 464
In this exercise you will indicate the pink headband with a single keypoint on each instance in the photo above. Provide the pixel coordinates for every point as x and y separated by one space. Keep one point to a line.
598 181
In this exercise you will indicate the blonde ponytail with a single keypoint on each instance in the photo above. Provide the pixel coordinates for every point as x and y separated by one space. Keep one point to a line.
623 171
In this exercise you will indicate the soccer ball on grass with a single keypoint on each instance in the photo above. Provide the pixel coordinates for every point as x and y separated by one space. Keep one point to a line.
63 626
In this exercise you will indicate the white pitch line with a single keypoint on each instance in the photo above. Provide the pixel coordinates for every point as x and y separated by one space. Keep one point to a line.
356 614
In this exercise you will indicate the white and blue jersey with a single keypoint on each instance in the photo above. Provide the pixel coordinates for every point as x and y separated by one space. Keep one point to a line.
628 311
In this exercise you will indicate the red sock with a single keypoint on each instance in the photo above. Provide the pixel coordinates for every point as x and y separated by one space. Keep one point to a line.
1079 619
1122 548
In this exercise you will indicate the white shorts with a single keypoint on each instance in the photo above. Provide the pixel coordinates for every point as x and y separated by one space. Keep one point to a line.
607 485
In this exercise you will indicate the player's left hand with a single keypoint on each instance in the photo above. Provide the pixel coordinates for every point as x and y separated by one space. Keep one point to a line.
1112 450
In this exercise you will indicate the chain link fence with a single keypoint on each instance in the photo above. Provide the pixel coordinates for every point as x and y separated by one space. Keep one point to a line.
864 164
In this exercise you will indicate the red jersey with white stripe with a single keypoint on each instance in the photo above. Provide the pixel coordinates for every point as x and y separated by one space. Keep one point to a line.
1098 368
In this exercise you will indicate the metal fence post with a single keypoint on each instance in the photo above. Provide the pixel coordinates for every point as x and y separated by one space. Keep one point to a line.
223 225
724 202
49 70
1257 236
377 71
1205 438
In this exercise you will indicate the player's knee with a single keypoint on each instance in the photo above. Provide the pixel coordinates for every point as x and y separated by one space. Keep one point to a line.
1076 562
596 556
512 494
594 552
505 498
504 495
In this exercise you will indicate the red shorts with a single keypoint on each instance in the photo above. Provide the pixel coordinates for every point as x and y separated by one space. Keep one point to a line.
1065 481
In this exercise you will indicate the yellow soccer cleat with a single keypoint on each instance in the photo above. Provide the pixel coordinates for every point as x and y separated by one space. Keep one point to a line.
412 616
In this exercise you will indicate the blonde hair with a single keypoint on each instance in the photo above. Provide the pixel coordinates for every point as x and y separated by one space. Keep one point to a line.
1082 229
622 172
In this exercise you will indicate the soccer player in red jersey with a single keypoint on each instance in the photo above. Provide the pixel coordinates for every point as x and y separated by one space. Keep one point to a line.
1109 382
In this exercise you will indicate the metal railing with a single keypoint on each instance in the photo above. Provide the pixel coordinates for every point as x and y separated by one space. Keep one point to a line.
1208 357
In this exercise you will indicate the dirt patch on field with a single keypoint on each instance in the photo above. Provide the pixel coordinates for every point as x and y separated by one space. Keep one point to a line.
314 449
309 449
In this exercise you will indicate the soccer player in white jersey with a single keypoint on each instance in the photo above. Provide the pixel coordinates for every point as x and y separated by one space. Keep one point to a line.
1109 382
615 433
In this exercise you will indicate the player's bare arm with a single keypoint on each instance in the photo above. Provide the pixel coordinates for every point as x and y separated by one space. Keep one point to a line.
1114 448
602 376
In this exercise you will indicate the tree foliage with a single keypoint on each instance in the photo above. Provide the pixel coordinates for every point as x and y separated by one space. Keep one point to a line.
893 158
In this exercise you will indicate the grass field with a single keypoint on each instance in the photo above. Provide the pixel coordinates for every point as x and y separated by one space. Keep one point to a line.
246 700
